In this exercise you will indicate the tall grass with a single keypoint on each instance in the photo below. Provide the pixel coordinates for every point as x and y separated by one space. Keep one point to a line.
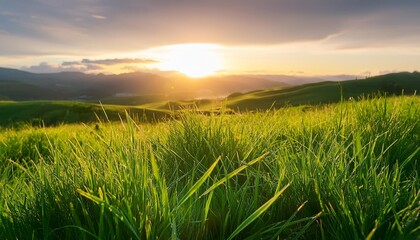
344 171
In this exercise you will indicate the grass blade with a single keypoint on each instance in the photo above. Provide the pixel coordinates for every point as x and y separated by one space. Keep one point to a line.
257 213
198 184
233 173
112 209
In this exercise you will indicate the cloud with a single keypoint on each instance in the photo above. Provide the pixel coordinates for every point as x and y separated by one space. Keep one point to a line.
99 17
70 63
45 67
257 21
90 66
149 23
391 28
116 61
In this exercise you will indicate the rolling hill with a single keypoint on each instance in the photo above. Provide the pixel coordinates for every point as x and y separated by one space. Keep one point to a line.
56 112
326 92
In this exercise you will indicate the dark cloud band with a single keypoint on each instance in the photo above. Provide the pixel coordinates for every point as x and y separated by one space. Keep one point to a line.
119 61
87 65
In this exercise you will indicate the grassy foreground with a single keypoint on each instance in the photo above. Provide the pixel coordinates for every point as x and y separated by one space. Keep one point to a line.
343 171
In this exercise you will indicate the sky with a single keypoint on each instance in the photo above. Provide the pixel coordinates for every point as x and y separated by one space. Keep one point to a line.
294 37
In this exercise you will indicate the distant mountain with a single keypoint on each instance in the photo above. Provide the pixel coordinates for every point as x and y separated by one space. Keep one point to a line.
86 86
326 92
21 85
141 88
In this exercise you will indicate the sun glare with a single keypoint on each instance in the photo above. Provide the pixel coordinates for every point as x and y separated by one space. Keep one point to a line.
193 60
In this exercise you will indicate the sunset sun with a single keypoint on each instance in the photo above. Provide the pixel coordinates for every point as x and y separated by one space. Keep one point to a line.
193 60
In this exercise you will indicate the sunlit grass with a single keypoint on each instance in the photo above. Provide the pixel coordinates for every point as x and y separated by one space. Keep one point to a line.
343 171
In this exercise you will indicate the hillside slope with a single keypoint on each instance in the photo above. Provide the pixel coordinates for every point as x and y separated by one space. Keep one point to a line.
326 92
58 112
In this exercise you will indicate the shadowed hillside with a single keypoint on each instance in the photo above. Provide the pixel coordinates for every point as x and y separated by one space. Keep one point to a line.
58 112
21 91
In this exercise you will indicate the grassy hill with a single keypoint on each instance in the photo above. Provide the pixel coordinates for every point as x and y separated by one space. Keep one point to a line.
326 92
57 112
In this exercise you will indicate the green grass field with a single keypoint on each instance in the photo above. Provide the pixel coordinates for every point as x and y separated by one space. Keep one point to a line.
341 171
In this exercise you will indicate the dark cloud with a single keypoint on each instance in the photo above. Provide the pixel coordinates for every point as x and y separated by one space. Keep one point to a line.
87 65
70 63
119 61
45 67
127 25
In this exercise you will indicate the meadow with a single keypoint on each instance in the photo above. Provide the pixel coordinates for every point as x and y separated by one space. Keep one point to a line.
347 170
